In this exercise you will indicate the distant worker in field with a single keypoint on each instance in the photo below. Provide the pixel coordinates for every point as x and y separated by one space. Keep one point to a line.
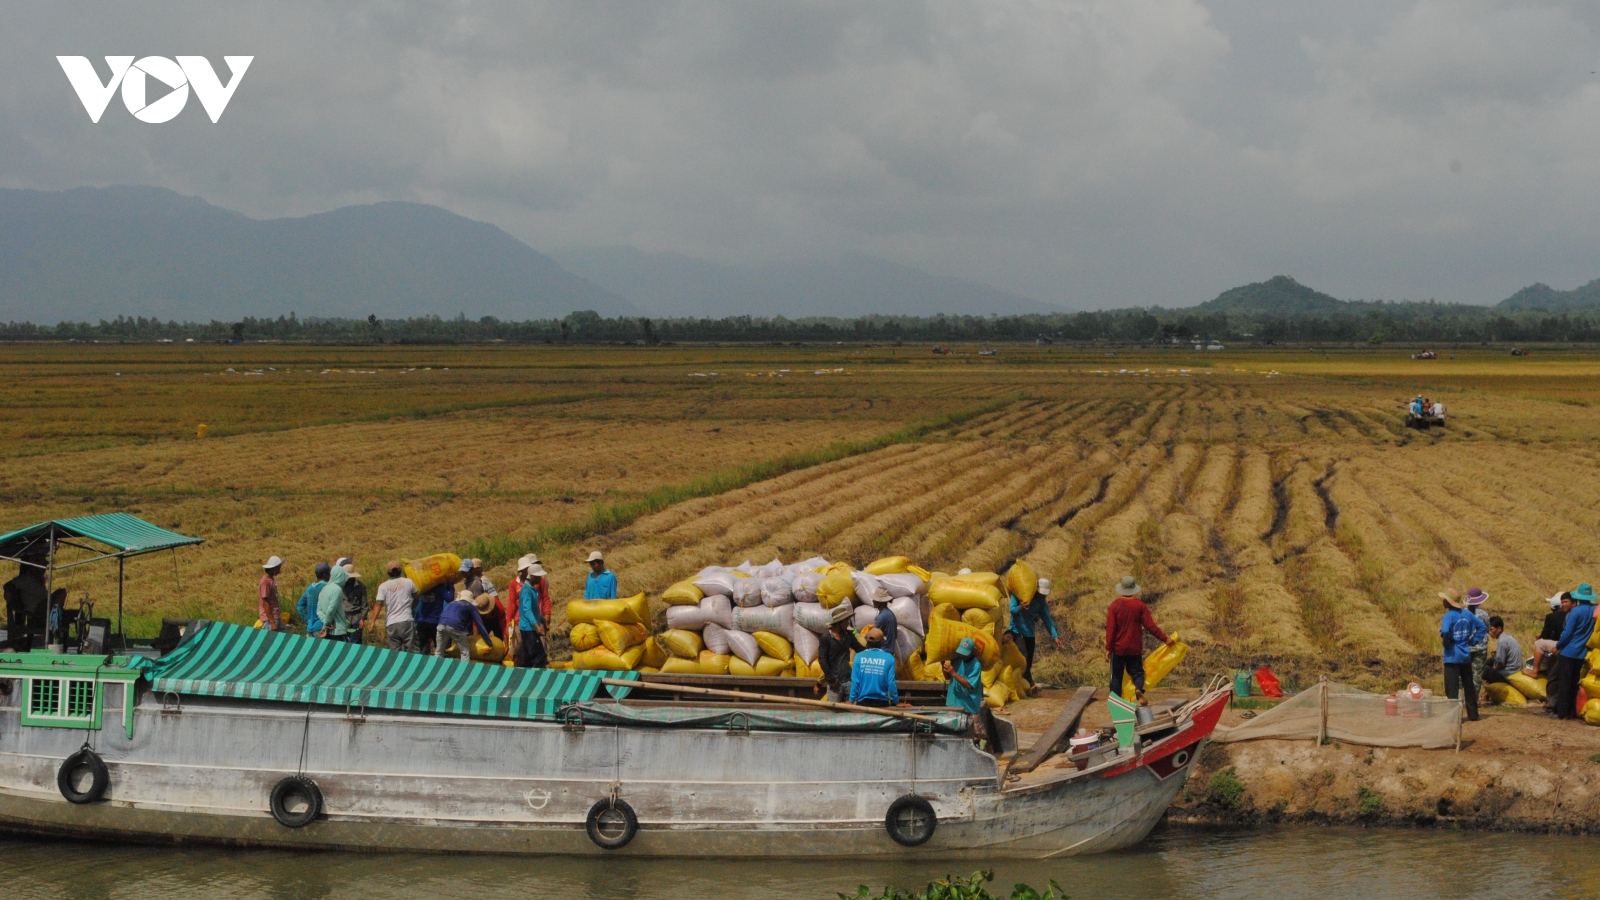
531 622
833 652
456 624
1025 621
872 673
1418 406
1507 659
307 605
601 583
1126 621
1458 631
1572 648
355 603
1480 649
330 603
396 603
1545 646
27 603
1436 409
267 595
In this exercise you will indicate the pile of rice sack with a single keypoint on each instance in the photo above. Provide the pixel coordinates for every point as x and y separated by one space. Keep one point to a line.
767 620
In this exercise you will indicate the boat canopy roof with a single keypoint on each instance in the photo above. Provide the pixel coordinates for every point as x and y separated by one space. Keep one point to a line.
218 659
126 535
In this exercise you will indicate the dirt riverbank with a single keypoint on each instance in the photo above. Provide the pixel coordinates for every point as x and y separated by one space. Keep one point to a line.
1516 770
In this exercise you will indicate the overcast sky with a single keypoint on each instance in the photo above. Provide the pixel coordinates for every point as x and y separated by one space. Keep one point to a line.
1087 154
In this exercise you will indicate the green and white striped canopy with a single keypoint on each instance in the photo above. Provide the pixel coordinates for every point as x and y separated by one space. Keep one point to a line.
216 659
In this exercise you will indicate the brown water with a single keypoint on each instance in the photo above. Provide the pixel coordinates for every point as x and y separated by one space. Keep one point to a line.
1280 864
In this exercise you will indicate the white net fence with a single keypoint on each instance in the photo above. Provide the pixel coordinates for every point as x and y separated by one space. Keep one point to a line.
1342 713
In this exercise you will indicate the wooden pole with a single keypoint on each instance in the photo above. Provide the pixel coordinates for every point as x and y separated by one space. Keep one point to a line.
773 698
1322 717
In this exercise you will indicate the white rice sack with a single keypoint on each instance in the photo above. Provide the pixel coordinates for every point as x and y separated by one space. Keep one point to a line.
906 643
776 592
770 570
806 645
906 584
686 618
812 564
907 615
747 592
778 620
865 615
719 609
804 589
812 617
716 638
744 567
719 582
743 646
868 590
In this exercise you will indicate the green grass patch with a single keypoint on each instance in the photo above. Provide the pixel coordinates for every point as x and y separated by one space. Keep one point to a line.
1370 801
973 887
1225 789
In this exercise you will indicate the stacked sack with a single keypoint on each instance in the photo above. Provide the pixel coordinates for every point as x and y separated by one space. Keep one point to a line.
973 605
613 635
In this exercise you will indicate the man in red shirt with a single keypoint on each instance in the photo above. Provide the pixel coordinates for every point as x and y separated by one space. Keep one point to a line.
1126 621
267 595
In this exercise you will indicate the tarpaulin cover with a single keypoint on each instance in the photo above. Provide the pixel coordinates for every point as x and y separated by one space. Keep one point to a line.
130 535
216 659
762 718
1354 717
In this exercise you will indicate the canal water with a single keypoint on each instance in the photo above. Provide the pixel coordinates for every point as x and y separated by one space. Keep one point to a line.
1276 863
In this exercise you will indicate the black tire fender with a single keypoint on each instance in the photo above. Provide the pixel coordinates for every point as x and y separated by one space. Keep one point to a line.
911 821
295 801
84 762
611 824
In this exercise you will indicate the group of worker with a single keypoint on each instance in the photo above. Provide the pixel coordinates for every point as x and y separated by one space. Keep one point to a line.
1467 629
1422 406
442 620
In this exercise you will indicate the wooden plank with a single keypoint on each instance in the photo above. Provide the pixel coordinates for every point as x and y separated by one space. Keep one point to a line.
1030 759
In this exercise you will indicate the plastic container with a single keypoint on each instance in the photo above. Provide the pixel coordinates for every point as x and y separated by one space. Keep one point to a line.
1391 705
1082 744
1241 685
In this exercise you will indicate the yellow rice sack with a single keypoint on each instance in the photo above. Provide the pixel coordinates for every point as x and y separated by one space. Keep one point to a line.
933 672
944 635
889 565
1011 655
618 637
679 666
1591 712
654 656
561 664
915 664
737 666
1022 582
584 636
944 611
1505 694
634 610
964 594
774 645
920 572
834 587
431 571
978 618
1528 686
647 670
803 670
1012 676
990 676
684 593
681 643
1158 665
1594 640
768 667
1591 684
714 663
493 650
601 659
997 696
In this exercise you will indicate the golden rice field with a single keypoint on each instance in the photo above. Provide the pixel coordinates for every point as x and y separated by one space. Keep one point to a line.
1271 503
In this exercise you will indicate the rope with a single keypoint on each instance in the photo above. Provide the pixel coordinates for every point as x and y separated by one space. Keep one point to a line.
305 740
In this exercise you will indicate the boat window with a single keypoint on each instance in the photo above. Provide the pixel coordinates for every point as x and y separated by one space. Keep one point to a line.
62 702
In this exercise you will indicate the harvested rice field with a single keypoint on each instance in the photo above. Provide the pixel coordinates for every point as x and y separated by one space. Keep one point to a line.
1271 502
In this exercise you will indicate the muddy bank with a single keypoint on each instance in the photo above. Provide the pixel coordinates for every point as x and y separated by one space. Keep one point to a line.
1516 771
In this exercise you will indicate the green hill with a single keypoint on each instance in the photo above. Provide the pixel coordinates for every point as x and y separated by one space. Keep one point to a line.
1277 297
1543 296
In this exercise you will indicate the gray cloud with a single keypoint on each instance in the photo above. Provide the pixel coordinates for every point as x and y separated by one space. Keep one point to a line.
1084 153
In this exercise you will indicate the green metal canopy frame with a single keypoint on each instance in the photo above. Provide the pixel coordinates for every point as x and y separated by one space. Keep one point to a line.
218 659
125 535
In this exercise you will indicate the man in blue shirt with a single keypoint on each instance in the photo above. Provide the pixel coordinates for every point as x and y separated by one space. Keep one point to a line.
966 678
307 605
601 583
872 673
530 624
456 624
1572 647
885 622
1025 620
1458 631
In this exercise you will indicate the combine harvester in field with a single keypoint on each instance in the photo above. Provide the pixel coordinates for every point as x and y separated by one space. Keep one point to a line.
1423 414
248 737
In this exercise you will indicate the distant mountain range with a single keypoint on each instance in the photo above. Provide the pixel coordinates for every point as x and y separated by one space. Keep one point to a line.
1281 297
1543 296
94 253
671 284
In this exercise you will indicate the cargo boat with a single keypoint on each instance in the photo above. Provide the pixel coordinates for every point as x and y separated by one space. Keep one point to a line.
240 737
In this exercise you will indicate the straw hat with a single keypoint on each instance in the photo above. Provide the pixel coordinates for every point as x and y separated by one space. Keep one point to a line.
1128 587
272 562
1451 598
840 613
595 556
484 601
350 569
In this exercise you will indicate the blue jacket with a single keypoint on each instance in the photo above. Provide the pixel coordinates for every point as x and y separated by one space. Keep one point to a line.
1025 618
1575 636
462 615
969 699
889 625
307 606
528 608
872 677
433 602
1459 630
600 587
